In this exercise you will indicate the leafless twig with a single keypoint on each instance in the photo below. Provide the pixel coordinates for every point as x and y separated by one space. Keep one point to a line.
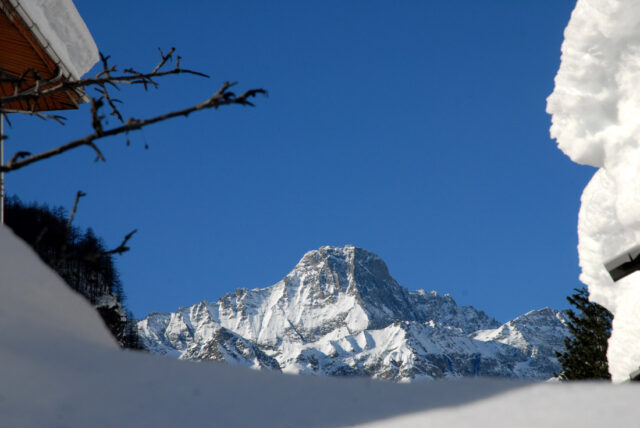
79 195
221 97
16 157
104 77
122 248
164 59
58 118
67 231
103 82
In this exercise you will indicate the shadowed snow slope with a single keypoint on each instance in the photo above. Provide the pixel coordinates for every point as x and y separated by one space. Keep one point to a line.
60 368
339 312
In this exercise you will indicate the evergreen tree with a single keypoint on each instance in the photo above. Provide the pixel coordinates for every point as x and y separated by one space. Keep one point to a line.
586 349
130 337
79 258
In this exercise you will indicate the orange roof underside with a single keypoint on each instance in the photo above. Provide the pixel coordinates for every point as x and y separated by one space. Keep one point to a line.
21 52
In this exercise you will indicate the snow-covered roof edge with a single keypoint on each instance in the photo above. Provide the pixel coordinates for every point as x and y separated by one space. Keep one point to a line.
61 31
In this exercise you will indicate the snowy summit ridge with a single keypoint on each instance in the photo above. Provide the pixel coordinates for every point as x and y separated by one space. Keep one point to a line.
339 312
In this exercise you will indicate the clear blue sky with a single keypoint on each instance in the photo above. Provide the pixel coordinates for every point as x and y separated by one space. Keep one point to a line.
416 130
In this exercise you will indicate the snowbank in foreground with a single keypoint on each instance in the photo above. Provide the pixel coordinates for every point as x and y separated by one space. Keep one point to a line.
61 368
595 110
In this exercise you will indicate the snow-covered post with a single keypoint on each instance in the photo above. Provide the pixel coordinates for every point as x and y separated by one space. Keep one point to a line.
595 110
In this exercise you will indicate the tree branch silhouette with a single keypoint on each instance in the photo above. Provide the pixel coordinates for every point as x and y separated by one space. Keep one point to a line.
103 82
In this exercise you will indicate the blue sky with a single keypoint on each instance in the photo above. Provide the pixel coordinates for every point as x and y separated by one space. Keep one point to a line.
416 130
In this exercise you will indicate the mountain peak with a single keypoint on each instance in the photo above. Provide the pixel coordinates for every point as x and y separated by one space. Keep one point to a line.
340 312
358 273
349 255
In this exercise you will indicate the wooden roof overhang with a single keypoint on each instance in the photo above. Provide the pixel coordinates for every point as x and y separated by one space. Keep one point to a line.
25 58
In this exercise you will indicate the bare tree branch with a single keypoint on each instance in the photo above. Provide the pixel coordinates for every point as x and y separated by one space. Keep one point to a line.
96 119
221 97
79 195
164 59
45 116
67 232
122 248
103 78
33 91
106 70
17 156
99 155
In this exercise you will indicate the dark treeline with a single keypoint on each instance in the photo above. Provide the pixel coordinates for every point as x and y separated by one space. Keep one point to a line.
80 258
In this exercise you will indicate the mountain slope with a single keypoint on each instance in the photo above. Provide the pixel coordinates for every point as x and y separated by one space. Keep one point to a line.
339 312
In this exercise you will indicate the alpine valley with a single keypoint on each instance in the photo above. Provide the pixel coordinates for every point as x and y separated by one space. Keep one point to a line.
340 313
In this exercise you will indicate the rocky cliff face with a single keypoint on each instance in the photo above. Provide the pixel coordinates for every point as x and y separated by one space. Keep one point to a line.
339 312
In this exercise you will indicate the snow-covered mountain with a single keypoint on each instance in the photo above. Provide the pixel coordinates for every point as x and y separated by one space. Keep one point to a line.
339 312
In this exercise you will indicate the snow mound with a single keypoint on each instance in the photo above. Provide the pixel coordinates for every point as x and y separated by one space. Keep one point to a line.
35 297
61 368
595 108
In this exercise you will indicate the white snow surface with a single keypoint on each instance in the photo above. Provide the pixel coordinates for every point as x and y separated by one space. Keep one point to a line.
63 27
60 368
595 108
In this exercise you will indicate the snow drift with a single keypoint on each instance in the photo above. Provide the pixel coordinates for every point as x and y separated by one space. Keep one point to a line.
595 110
59 367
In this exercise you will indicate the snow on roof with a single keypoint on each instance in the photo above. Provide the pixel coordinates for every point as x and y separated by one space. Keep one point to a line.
62 32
